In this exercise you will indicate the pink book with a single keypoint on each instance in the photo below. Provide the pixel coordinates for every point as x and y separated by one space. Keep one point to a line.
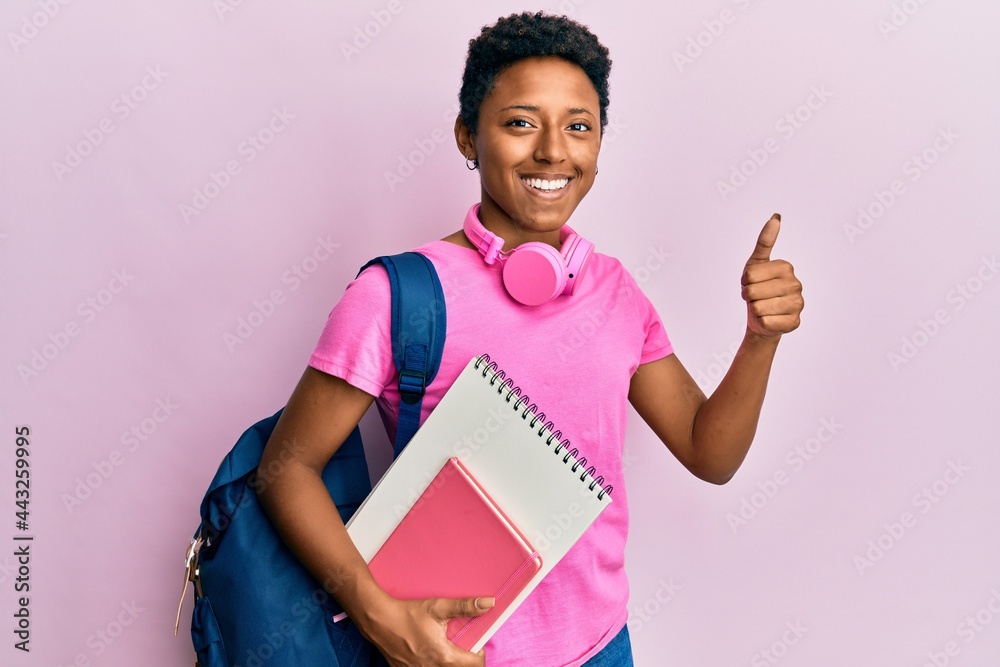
456 542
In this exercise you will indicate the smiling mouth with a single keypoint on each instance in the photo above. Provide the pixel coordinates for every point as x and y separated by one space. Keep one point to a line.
546 185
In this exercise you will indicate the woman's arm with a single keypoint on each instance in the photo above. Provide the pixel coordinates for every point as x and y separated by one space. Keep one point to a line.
711 437
321 413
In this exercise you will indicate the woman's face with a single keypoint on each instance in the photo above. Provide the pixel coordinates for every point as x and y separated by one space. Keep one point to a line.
537 146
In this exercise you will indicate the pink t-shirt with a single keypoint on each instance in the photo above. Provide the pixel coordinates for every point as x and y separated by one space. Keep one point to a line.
575 357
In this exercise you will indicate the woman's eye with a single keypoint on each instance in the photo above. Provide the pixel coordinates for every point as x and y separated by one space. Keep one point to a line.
521 122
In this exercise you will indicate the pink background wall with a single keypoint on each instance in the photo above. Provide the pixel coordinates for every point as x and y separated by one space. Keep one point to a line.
880 420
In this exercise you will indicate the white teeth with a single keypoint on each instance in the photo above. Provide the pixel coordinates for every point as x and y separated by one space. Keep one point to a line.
541 184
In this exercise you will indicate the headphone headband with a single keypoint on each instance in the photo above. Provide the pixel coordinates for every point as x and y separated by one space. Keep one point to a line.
533 272
490 245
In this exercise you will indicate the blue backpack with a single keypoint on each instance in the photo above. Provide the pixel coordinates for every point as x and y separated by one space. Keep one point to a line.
255 603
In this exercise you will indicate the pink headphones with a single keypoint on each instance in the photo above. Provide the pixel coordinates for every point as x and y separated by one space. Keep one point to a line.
533 272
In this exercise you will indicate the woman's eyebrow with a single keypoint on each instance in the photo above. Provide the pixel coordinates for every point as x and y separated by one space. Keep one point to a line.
531 107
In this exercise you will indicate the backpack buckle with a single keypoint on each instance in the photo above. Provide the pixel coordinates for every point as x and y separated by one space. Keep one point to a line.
191 573
411 385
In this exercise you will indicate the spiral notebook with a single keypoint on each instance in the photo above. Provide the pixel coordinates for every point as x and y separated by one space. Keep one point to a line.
525 464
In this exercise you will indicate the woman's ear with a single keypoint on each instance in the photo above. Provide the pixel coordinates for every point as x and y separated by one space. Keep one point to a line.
465 139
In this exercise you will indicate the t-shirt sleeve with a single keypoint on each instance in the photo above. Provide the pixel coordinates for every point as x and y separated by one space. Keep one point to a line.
355 343
656 344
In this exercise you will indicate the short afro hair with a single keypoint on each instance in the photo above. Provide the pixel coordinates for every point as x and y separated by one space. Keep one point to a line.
528 35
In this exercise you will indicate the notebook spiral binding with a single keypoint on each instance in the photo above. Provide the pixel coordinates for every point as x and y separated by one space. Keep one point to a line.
537 417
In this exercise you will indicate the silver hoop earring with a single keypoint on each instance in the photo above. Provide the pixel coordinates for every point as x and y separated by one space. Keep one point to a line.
471 164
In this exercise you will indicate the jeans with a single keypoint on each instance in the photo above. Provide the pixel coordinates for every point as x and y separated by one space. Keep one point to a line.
617 653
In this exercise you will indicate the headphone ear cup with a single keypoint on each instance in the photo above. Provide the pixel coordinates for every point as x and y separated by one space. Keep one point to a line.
534 273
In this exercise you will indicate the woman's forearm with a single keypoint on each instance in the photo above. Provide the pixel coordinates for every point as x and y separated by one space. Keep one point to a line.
725 424
305 515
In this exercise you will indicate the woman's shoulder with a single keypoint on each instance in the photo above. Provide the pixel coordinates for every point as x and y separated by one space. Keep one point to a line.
446 252
439 251
607 261
613 273
607 266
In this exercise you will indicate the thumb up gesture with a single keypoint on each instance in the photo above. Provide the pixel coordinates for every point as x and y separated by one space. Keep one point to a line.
770 288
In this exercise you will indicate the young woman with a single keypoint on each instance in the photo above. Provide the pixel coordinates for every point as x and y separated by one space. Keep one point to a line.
534 101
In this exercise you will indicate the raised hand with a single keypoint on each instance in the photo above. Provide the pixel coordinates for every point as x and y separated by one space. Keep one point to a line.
770 288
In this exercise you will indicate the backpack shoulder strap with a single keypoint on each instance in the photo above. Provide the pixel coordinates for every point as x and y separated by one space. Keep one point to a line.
418 333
